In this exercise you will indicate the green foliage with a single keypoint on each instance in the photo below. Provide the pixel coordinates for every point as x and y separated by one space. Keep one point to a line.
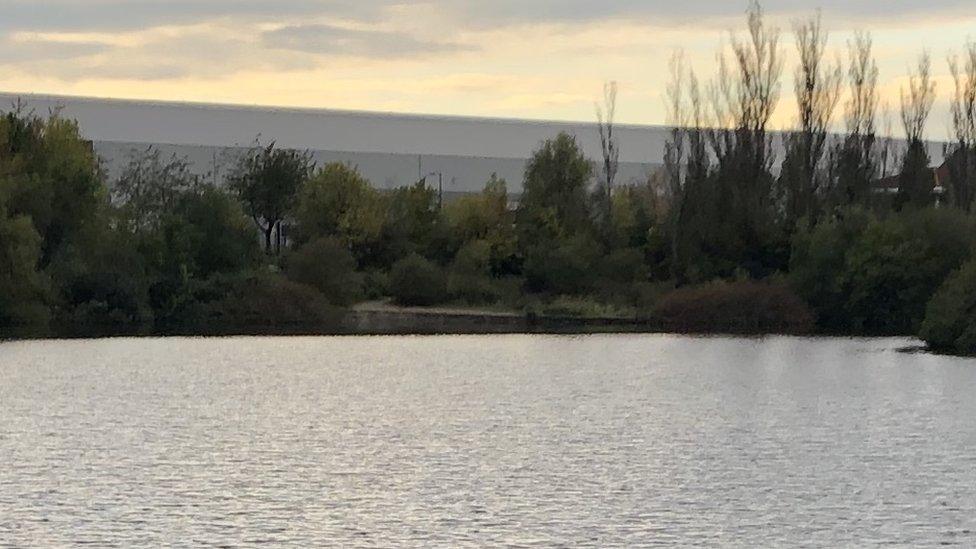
623 265
267 180
415 281
950 320
210 232
916 181
734 307
22 289
897 264
565 306
856 168
338 202
486 217
49 173
721 229
150 186
477 216
257 300
474 258
326 265
554 202
634 215
818 266
171 250
206 234
102 282
567 268
412 225
469 278
376 284
876 276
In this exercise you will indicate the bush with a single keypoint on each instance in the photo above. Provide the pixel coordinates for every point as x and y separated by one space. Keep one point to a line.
866 275
950 319
566 269
415 281
895 267
470 279
473 289
639 296
106 298
271 300
747 307
247 301
818 265
337 201
625 266
23 294
376 285
209 231
104 282
327 266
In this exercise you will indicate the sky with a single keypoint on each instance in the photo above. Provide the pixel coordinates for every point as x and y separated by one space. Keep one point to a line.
539 59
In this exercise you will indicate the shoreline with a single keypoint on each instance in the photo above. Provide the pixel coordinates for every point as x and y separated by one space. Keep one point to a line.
380 319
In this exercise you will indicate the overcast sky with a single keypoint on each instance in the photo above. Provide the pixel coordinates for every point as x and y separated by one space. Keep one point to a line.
543 59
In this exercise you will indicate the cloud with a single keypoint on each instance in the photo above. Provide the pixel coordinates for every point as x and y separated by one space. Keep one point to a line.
332 40
699 12
13 50
470 14
91 15
198 52
535 58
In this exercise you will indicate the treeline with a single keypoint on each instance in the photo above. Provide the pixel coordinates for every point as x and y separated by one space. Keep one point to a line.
864 231
845 234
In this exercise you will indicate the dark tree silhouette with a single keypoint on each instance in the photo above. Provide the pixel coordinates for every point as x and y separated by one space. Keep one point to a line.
268 179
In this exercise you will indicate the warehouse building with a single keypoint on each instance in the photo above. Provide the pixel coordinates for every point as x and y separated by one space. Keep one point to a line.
390 150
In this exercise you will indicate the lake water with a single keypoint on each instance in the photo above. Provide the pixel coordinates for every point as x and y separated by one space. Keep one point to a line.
485 441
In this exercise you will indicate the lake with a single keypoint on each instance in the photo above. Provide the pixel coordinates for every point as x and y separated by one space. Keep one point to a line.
609 440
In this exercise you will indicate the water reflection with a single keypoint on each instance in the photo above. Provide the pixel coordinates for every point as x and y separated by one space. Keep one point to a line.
487 440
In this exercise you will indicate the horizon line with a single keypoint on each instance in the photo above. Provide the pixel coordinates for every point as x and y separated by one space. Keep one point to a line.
319 110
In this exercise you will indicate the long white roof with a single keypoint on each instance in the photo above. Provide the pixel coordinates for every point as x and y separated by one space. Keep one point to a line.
127 121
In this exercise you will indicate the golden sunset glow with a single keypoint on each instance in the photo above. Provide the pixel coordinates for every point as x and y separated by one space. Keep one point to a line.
444 57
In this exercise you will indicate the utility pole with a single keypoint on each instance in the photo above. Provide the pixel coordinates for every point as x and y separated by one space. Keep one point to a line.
440 187
440 191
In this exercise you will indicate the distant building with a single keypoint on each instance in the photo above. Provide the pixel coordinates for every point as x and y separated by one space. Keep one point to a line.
937 177
390 150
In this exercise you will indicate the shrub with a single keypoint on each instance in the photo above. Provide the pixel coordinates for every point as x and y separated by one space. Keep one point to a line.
469 279
818 265
272 300
106 298
22 289
567 268
105 282
209 231
735 307
876 276
474 258
337 201
625 266
950 319
415 281
896 266
327 266
247 301
639 296
376 285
